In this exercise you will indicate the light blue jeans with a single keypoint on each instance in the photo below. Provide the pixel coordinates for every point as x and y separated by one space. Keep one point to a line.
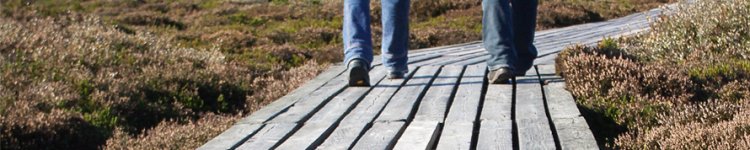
508 33
358 37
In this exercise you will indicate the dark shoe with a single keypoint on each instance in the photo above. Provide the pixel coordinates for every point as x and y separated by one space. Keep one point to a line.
500 76
358 73
396 74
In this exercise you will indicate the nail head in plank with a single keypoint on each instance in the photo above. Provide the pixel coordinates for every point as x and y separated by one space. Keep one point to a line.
231 136
435 103
495 135
268 136
401 106
419 135
381 136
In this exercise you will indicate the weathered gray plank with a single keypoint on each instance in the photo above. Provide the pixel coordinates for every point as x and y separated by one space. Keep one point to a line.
534 131
456 136
344 136
472 61
324 120
365 112
401 106
268 137
231 137
273 109
466 102
419 135
434 104
495 135
461 58
459 124
496 127
571 127
381 136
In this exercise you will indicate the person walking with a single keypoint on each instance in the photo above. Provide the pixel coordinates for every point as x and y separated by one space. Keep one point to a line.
508 36
358 40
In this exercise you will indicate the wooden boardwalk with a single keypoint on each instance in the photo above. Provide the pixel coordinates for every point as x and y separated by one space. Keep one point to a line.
445 103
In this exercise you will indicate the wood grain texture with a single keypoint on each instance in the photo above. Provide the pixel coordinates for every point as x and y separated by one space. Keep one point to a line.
231 137
434 104
466 104
456 136
419 135
364 113
495 135
323 121
268 137
402 105
571 127
534 131
381 136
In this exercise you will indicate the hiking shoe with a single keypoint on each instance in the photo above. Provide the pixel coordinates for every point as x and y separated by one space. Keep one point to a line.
500 76
397 74
358 73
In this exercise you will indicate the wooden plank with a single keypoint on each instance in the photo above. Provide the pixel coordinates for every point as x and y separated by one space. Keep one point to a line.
461 58
496 127
231 137
344 136
268 137
465 105
498 103
271 110
571 127
381 136
456 136
534 131
402 105
575 134
434 104
365 112
316 129
495 135
459 124
303 109
419 135
472 61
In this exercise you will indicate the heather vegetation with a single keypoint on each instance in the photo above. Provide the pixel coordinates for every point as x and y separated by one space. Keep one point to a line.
86 74
683 85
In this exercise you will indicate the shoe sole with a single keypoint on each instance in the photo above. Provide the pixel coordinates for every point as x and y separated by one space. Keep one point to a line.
358 76
501 78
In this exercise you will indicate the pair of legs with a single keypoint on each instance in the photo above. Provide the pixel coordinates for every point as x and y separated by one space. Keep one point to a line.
508 35
358 36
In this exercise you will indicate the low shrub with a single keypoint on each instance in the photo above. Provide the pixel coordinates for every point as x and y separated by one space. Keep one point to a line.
682 85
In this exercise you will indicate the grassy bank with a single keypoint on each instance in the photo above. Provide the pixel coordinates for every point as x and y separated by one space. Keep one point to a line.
682 85
172 74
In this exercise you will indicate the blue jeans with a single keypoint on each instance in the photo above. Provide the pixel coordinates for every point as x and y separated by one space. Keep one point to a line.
508 33
358 37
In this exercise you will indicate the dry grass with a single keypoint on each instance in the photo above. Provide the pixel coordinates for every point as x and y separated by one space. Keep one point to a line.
683 85
154 74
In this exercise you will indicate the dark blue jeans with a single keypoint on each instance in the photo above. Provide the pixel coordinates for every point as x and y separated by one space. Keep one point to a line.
358 37
508 33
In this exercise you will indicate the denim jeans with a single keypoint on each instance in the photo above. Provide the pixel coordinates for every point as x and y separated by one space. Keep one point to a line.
358 37
508 33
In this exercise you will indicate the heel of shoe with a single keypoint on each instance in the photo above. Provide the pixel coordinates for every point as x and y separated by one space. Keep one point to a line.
358 75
